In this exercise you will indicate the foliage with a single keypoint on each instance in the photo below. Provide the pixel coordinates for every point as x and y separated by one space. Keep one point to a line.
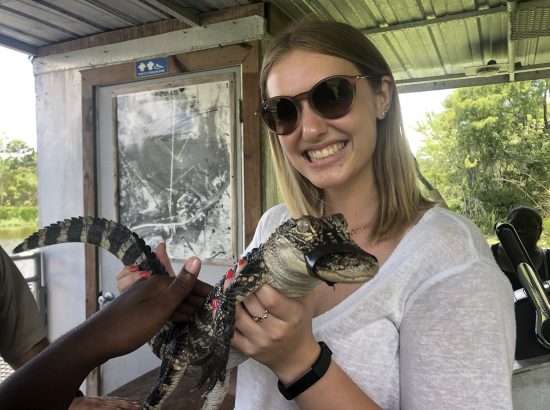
489 150
23 213
18 178
544 241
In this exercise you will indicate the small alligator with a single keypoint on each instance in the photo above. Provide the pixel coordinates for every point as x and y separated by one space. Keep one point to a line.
297 257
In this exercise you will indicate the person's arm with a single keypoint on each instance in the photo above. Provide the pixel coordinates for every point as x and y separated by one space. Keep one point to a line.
121 327
284 342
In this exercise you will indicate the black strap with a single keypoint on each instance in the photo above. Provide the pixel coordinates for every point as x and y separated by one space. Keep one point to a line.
318 370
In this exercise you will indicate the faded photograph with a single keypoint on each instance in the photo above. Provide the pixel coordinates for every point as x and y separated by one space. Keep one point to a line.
174 150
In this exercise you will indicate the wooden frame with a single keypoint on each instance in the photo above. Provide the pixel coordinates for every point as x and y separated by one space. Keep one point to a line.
247 56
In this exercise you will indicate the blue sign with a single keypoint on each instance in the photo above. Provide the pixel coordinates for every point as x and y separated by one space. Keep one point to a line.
153 66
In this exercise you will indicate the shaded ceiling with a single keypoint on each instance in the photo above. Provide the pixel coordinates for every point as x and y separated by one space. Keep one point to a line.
429 44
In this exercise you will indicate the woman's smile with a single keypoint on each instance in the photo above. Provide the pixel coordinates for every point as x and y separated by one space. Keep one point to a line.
318 154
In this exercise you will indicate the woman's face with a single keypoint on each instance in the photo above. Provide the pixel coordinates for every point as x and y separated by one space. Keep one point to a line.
330 153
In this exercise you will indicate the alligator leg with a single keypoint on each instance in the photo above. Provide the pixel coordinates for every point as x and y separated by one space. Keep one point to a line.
214 399
180 345
169 345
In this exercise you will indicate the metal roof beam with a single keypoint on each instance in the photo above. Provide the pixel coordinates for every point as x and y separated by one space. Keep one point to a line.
186 15
412 85
18 45
436 20
510 8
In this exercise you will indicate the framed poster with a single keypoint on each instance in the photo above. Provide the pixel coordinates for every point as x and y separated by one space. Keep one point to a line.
175 157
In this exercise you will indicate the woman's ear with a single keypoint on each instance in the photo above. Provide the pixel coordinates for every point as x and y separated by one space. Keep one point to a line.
384 96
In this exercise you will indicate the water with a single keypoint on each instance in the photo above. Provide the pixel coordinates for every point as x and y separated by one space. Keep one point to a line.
11 237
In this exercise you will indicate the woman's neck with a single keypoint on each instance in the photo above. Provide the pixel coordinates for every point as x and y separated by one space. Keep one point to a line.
359 210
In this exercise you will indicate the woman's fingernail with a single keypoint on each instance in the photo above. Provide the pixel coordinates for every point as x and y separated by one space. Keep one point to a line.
193 265
144 275
214 304
133 268
229 275
241 262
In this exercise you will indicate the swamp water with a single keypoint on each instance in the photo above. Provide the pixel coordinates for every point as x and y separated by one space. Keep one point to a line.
11 237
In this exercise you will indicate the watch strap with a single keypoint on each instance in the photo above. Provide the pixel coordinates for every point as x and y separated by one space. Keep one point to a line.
318 370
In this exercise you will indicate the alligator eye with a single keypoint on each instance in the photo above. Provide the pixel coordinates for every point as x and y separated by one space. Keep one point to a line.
302 226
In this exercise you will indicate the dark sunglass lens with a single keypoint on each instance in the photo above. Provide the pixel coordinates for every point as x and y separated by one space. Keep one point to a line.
333 97
280 115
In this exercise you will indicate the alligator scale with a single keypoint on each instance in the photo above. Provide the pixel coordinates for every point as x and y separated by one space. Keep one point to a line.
298 256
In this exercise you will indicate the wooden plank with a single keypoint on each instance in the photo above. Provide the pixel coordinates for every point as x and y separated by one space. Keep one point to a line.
150 29
252 140
211 58
185 396
187 15
276 20
89 187
115 36
233 13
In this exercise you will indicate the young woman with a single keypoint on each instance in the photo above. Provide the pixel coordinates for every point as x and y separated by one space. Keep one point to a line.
435 327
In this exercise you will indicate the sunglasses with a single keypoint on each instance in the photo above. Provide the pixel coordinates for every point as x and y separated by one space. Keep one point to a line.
330 98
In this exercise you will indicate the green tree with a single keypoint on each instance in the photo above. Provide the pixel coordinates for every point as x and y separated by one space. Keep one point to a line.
18 179
490 150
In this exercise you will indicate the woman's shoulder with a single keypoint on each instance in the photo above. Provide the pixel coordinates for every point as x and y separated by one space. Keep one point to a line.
441 249
448 236
268 223
443 222
274 217
447 218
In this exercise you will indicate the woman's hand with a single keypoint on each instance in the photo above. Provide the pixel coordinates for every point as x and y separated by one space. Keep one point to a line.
129 275
283 340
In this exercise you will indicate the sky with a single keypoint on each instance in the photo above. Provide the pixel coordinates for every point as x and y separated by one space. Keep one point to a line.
414 107
17 98
18 116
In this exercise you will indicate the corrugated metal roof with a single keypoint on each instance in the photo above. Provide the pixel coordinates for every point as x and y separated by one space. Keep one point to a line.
428 43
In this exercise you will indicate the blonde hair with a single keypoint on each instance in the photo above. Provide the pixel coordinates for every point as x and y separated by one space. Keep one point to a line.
400 199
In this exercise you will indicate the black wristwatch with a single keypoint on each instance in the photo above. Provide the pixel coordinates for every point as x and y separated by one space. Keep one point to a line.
318 369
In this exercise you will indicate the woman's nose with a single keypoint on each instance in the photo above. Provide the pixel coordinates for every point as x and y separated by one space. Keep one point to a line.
311 123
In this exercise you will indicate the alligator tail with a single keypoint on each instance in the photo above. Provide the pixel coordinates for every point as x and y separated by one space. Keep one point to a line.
104 233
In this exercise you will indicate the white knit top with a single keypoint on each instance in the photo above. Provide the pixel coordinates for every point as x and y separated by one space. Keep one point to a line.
434 329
